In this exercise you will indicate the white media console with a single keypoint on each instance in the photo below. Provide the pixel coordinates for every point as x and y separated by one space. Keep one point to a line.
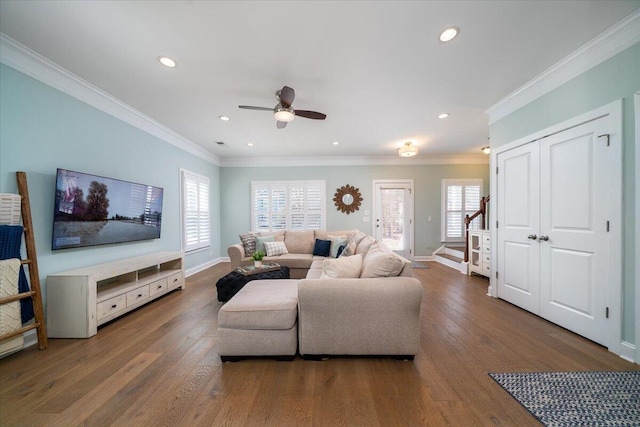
78 301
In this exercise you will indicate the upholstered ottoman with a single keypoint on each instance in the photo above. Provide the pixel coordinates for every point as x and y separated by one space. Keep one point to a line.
260 320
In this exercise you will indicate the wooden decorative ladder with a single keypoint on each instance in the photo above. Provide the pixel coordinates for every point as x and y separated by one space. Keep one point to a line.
34 278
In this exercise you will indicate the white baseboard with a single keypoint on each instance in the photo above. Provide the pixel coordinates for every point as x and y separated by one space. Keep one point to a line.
202 267
628 352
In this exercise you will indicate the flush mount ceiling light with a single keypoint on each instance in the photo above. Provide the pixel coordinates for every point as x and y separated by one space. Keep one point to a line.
284 115
407 150
166 61
449 34
486 150
224 118
443 115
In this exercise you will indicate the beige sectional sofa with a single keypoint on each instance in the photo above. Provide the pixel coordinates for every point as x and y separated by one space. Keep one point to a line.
377 313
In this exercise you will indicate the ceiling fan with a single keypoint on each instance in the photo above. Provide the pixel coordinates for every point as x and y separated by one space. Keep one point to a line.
283 112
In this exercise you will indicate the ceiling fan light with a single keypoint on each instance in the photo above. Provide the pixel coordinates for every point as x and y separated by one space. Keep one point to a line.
284 115
407 150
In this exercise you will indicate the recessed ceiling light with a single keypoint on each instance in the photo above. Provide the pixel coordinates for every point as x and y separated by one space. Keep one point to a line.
224 118
250 144
166 61
449 33
335 143
443 115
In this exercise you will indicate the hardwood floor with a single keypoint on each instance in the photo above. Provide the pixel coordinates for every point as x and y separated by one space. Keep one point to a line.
159 366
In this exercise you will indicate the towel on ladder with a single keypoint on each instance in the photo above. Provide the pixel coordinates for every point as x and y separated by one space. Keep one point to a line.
10 242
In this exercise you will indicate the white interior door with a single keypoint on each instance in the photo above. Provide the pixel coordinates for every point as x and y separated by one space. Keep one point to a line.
573 206
393 215
518 222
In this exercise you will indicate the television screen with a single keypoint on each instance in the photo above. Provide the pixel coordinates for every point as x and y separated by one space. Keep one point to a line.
93 210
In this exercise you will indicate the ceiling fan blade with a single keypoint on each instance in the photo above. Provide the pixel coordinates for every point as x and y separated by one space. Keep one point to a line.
286 96
250 107
281 125
310 114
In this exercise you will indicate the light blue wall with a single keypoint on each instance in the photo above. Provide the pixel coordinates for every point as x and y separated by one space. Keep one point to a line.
617 78
236 202
42 129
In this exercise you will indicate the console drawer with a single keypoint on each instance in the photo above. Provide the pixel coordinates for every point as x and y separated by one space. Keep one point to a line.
137 295
174 281
158 287
111 306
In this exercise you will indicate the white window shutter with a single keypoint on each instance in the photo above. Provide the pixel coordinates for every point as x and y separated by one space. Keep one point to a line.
460 198
196 226
287 205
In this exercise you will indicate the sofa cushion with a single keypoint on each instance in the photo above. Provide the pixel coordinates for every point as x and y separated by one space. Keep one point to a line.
248 243
379 263
262 304
278 236
322 247
275 248
324 235
343 268
260 240
292 260
349 249
299 242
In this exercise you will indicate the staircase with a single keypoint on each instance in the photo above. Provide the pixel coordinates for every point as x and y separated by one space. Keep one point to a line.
452 256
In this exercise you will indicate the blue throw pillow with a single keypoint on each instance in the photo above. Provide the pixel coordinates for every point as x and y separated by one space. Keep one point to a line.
322 247
341 249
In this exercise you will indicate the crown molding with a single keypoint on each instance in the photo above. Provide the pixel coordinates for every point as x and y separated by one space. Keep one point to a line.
616 39
36 66
454 159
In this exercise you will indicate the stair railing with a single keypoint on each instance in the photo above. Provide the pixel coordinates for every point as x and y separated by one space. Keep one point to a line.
467 221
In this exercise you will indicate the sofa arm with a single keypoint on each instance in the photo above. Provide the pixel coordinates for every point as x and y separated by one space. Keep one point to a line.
379 316
236 255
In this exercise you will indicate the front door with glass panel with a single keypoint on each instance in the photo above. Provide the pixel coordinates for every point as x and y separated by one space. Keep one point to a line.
393 215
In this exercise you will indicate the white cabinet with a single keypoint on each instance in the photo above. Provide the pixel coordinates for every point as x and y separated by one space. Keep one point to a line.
79 301
480 252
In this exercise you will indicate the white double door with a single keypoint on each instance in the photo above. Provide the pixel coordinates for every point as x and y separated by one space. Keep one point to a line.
552 254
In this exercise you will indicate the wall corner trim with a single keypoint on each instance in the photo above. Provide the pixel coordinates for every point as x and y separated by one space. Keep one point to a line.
616 39
36 66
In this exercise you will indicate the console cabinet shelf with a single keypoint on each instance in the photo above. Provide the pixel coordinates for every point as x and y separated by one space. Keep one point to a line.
78 301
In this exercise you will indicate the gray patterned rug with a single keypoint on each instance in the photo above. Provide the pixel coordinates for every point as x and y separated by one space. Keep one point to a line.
577 398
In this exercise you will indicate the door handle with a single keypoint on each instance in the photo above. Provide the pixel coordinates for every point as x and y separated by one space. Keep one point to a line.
545 238
532 237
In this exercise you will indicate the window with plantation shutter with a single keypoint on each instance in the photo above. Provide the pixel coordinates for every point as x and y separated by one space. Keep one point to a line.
287 205
196 224
459 198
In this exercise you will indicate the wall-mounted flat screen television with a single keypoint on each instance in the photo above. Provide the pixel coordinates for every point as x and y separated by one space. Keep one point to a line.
93 210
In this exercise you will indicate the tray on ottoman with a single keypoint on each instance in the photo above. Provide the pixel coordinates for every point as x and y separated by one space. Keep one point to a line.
230 284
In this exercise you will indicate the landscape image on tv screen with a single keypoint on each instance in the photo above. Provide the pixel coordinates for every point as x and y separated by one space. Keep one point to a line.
93 210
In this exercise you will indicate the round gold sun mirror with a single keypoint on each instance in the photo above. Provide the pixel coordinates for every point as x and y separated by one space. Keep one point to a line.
347 199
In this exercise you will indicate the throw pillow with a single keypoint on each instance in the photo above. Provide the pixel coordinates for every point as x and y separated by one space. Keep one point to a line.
379 263
336 242
364 245
248 243
349 250
322 247
275 248
345 267
341 249
260 242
